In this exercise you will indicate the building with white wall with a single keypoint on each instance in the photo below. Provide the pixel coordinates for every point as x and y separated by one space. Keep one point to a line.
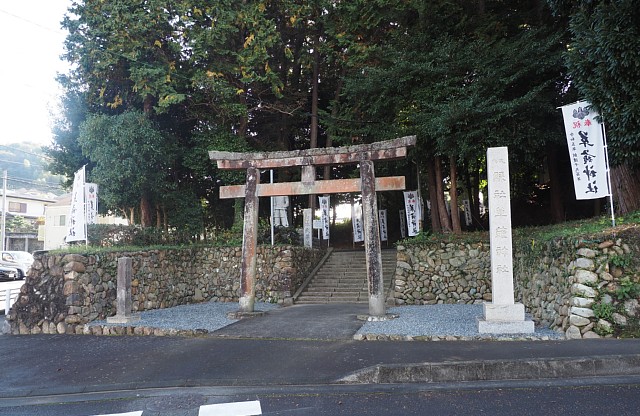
56 222
30 205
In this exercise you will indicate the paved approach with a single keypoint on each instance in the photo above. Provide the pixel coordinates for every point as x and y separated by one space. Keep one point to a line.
262 352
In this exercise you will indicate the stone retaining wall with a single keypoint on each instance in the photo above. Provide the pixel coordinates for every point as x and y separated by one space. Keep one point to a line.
559 282
66 291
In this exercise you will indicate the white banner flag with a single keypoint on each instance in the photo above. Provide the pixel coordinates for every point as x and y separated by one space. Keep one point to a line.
403 224
356 220
280 207
586 150
91 199
412 209
382 220
324 215
77 215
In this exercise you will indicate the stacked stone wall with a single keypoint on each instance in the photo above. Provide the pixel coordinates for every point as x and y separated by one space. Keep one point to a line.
560 282
66 291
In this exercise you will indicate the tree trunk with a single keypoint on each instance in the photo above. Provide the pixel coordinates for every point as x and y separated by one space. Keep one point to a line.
334 115
556 203
453 194
445 222
433 198
127 215
145 211
164 218
475 205
471 183
625 184
313 135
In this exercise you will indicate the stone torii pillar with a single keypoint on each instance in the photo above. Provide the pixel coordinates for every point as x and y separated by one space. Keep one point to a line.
308 159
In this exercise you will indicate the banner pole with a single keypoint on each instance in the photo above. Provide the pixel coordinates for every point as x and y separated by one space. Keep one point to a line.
84 195
273 237
610 189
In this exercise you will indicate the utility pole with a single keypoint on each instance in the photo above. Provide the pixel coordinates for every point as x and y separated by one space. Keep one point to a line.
4 210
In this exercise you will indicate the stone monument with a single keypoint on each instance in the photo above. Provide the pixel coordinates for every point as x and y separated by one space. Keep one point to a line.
123 294
502 315
307 221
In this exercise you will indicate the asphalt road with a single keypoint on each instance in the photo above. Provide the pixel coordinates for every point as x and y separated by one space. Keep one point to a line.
89 375
55 364
563 398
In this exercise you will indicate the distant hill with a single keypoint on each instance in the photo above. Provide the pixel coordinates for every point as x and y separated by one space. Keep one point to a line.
27 167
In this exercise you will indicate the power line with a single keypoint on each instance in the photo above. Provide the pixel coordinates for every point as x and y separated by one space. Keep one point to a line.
27 152
48 185
22 163
15 16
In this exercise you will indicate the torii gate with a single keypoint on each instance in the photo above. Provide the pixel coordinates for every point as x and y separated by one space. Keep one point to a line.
367 184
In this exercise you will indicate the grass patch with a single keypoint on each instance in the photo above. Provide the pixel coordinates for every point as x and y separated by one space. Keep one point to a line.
595 229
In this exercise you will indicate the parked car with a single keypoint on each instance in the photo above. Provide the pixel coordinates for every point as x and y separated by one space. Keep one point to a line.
8 274
19 260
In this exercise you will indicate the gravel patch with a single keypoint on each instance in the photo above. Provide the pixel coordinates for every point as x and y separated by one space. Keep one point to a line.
428 322
209 316
445 320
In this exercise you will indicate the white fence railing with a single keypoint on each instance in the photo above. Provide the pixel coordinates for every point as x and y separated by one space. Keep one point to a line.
9 293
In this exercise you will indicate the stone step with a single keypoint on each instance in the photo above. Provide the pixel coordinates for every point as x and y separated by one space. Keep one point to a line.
337 279
351 269
330 290
346 279
344 297
356 263
343 278
342 282
342 286
301 301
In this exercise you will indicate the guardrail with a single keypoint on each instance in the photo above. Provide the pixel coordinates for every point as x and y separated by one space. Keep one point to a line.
8 294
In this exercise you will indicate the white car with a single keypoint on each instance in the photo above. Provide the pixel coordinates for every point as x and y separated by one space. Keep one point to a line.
19 260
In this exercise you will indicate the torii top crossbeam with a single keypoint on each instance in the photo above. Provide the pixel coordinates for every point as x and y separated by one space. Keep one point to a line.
390 149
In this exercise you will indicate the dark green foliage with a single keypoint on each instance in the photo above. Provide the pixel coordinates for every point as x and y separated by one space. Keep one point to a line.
102 235
282 235
604 63
603 310
132 158
239 76
627 289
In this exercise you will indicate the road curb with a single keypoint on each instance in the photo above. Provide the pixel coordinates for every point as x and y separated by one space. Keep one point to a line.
496 370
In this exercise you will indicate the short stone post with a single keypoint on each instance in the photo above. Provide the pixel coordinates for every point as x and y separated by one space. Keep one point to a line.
502 315
123 294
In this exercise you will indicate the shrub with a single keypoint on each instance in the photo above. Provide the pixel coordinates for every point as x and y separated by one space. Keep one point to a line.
603 310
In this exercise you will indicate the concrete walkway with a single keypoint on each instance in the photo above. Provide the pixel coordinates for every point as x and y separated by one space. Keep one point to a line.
335 321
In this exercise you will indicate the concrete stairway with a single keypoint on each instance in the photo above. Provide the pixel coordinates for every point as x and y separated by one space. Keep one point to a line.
343 278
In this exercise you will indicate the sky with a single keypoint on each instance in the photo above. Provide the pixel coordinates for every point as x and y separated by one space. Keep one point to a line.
32 43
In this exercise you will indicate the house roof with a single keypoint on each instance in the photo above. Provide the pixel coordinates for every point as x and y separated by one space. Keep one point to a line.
64 200
30 194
